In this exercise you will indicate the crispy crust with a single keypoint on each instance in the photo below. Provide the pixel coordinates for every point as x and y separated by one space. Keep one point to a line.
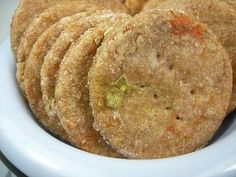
42 22
28 9
180 81
22 17
50 63
232 3
32 73
220 18
152 4
50 67
114 5
71 92
38 26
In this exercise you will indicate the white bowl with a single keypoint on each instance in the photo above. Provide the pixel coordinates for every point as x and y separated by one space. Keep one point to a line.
35 152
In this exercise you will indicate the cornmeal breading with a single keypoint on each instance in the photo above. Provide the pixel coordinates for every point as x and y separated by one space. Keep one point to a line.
160 85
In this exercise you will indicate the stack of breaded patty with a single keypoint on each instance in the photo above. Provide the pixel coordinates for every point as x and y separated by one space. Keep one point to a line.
136 79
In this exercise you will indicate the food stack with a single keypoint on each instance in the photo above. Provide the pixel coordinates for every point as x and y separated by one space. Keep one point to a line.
128 79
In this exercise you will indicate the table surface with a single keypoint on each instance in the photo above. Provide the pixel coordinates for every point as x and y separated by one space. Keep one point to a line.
7 8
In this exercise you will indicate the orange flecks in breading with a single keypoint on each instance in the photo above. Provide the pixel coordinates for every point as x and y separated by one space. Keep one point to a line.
197 32
183 25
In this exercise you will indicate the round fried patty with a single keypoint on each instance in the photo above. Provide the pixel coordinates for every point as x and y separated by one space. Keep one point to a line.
32 72
43 21
220 18
23 15
160 85
54 57
28 9
38 26
72 95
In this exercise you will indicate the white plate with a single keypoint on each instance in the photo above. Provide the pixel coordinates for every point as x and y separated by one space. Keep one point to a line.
38 154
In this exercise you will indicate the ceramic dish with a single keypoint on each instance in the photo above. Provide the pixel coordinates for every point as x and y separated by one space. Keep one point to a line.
35 152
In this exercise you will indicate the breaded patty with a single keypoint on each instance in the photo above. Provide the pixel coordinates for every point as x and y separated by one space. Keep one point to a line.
28 9
32 72
44 20
50 67
71 93
220 18
43 103
160 85
23 15
38 26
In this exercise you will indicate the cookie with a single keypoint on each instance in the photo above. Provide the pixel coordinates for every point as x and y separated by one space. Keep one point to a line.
167 94
74 114
220 18
135 6
28 9
32 73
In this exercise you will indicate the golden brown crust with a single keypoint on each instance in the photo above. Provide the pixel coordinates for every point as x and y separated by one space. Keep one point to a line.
38 26
220 18
71 32
28 9
23 15
167 94
114 5
232 3
152 4
49 71
32 73
135 6
122 1
71 93
44 20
